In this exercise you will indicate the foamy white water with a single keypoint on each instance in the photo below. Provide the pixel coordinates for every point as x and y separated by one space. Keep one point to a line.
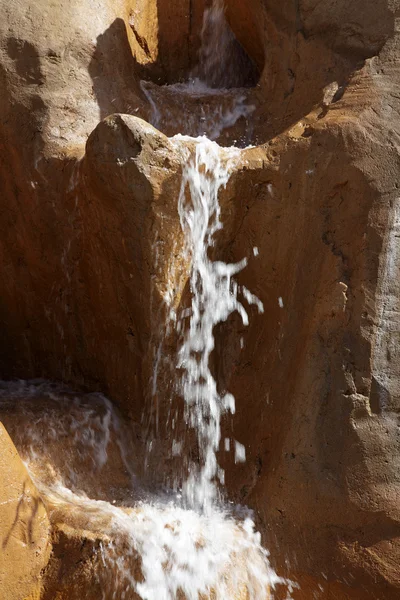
154 549
178 553
214 298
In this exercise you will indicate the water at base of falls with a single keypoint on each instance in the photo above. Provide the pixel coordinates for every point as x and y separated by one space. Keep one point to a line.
154 549
197 109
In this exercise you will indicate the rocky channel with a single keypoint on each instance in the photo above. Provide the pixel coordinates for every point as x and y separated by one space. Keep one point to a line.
103 106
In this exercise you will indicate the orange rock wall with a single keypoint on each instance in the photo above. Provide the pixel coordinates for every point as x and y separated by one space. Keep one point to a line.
24 528
317 383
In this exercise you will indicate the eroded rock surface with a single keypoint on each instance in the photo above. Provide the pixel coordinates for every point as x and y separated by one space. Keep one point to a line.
90 249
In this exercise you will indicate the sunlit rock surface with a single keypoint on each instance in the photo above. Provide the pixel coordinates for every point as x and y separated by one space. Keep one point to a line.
317 379
24 527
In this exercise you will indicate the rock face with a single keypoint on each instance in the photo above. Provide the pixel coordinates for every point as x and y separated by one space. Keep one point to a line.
24 528
324 423
90 250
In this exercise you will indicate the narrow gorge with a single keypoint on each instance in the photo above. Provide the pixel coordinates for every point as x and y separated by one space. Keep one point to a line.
199 393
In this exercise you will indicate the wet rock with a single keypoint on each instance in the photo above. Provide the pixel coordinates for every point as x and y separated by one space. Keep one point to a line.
90 250
75 570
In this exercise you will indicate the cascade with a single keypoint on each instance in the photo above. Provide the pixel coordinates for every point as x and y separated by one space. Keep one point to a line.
155 547
215 297
215 67
215 96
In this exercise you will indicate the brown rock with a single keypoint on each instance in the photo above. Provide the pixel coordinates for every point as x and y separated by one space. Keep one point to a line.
323 446
24 528
317 384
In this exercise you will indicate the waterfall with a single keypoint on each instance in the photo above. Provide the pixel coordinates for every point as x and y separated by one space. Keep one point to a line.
214 66
214 299
150 546
222 61
214 98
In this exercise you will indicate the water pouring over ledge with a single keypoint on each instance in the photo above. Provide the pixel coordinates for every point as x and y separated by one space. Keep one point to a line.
215 97
153 549
152 546
214 298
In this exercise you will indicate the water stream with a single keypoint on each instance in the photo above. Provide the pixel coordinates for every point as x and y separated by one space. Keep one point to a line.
214 299
156 547
215 98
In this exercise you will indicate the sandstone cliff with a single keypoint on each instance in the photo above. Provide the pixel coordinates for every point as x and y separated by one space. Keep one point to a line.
89 224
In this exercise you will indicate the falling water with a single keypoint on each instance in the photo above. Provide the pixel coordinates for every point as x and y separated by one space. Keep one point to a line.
222 61
215 66
152 547
214 299
215 295
215 96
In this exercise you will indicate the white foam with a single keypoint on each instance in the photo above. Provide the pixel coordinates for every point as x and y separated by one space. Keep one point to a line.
156 550
178 551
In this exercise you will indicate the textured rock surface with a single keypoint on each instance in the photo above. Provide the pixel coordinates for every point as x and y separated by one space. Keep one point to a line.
324 444
24 528
317 383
